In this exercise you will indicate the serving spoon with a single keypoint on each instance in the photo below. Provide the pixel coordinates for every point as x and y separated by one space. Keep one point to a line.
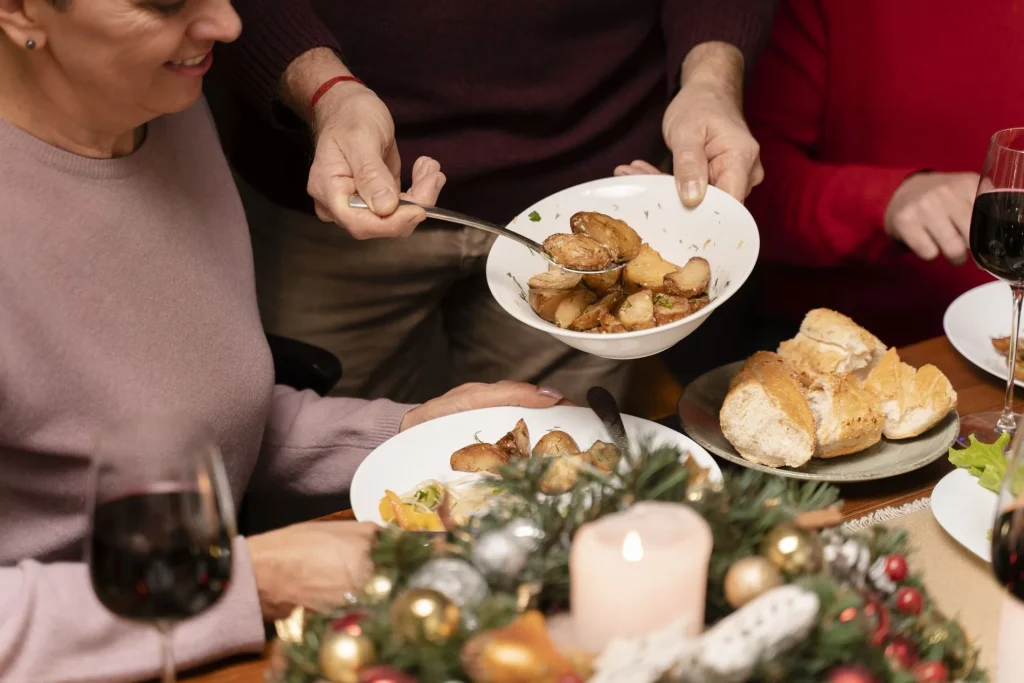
357 202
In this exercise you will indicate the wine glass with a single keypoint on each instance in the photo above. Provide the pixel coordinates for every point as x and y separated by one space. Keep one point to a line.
162 524
997 245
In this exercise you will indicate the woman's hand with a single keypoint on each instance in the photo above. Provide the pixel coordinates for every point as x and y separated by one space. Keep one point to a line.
314 564
474 395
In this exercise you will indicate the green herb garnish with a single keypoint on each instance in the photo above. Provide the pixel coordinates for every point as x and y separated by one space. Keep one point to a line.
534 216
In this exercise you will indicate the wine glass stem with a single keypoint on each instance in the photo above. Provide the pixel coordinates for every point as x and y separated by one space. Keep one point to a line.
166 653
1007 421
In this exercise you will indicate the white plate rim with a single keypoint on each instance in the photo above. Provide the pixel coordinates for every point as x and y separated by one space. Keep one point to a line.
631 422
947 503
960 344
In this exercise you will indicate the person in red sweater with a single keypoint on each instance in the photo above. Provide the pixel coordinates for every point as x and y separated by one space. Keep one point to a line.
873 119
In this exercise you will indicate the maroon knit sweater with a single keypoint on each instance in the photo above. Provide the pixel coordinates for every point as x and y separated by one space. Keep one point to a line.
516 98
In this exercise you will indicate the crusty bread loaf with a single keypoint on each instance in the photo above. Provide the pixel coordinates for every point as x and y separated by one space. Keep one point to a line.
765 415
829 342
912 401
848 418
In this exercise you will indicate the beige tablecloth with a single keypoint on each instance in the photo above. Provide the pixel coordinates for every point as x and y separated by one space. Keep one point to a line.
961 584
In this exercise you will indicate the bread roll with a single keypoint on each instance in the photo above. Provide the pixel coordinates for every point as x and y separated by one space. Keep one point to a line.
829 342
912 401
848 418
765 415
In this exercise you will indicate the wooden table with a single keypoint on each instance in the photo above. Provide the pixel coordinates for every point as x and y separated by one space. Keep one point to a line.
977 391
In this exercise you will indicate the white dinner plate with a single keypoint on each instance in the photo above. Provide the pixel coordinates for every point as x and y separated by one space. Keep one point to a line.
424 451
973 319
966 511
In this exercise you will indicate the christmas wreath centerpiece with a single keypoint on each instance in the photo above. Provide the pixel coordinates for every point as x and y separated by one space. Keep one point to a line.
790 596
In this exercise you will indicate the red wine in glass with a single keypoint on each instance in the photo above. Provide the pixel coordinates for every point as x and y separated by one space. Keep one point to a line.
148 566
1008 551
997 245
162 524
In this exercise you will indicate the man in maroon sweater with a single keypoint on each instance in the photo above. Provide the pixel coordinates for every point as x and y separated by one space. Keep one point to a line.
517 99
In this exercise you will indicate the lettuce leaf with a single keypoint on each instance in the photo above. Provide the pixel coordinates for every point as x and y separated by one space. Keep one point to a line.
987 462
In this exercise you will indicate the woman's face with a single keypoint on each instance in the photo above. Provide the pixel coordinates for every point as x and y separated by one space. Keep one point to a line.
135 58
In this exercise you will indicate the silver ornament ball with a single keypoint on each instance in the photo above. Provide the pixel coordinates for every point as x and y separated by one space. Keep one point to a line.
500 554
526 532
457 580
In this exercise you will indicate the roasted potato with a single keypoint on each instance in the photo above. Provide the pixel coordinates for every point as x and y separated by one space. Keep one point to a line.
545 302
516 443
561 475
573 306
615 235
637 311
555 443
690 280
611 325
668 308
480 457
699 302
555 278
647 271
591 317
603 283
578 251
602 455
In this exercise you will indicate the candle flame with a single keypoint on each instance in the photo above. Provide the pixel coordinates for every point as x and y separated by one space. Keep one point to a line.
632 547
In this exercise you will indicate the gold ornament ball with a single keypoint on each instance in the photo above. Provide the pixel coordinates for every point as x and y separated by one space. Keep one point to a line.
343 656
422 615
378 588
749 578
792 550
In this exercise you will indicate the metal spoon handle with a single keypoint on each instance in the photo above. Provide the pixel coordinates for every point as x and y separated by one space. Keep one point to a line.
357 202
605 406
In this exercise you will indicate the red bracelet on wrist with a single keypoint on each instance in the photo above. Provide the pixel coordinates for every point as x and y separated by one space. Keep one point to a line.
322 90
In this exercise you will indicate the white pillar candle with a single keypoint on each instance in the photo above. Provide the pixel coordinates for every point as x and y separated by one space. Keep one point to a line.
637 571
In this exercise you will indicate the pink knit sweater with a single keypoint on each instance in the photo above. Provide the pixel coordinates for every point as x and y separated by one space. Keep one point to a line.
127 285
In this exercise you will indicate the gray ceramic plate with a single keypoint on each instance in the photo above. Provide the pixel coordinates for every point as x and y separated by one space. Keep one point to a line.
698 410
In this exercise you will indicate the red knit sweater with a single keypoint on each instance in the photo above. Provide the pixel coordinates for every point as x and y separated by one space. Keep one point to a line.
516 98
847 100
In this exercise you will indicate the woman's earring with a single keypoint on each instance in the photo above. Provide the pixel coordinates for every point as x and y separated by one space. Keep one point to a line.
30 44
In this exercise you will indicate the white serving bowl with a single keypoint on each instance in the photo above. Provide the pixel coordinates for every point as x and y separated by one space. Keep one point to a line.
720 229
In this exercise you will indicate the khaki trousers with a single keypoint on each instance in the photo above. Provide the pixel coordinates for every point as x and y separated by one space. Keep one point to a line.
408 318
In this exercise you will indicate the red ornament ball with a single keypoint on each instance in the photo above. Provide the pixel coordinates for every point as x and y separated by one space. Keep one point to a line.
931 672
384 674
851 674
896 567
909 600
350 622
902 652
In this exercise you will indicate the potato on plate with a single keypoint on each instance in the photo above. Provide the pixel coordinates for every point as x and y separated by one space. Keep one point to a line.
647 271
611 324
691 280
615 235
516 443
637 311
668 308
602 455
603 283
479 457
545 302
577 251
555 443
555 278
573 306
591 317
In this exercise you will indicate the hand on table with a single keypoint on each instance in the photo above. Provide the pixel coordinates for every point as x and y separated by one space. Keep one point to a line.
931 214
476 395
314 564
710 142
356 153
